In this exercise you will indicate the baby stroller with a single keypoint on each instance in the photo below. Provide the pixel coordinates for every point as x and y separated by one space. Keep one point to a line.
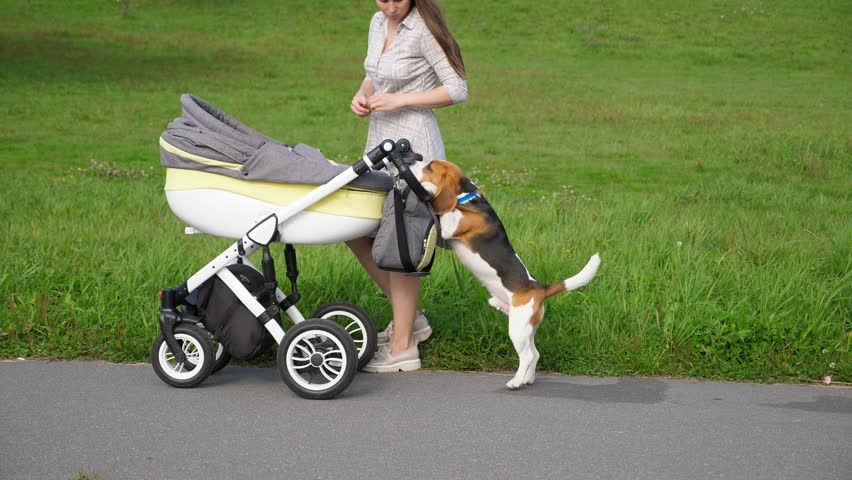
227 180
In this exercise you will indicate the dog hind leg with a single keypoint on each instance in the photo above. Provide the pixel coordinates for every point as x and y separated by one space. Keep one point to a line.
521 333
529 376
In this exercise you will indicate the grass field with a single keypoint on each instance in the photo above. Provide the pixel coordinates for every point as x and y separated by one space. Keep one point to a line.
703 148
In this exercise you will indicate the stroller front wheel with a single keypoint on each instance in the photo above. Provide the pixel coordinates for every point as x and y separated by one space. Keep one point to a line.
317 359
198 349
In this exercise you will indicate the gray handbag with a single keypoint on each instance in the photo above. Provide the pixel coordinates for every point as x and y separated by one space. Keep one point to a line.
408 234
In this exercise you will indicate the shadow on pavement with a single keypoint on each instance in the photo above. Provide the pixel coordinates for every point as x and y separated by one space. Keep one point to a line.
625 390
823 403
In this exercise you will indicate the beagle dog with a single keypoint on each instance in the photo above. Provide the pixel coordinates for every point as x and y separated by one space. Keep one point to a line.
477 236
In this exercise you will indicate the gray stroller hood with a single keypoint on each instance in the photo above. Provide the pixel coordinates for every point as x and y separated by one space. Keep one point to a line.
206 138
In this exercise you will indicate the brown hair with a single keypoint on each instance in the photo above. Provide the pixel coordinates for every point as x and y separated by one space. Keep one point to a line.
431 13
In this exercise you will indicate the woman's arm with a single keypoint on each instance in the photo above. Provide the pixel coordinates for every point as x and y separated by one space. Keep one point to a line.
453 87
386 102
454 84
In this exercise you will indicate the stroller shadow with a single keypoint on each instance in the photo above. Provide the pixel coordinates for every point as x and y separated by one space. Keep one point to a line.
363 385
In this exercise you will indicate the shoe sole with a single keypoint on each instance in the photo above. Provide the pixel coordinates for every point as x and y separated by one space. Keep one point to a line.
419 336
405 366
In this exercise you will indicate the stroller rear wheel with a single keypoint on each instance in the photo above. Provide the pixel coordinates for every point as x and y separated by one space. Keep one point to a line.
357 323
195 343
317 359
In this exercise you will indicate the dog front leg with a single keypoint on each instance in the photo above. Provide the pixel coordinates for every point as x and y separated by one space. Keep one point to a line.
450 224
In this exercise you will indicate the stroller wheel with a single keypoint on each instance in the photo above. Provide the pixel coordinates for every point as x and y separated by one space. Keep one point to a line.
357 323
317 359
199 351
222 357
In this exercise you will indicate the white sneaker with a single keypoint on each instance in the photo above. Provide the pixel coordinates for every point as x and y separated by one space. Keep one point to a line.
384 362
422 331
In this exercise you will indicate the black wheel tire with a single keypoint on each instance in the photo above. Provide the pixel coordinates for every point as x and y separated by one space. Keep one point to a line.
199 367
337 344
357 323
222 355
222 358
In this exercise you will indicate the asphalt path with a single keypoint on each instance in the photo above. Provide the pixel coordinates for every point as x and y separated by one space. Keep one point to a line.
122 422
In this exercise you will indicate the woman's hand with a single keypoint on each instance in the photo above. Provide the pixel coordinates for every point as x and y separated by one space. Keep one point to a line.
360 105
386 102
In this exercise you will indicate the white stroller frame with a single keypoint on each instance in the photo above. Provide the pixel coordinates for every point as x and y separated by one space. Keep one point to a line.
337 363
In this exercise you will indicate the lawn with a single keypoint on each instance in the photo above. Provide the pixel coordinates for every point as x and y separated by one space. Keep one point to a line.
703 148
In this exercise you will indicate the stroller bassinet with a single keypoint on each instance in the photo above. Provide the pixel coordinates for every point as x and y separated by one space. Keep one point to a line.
222 177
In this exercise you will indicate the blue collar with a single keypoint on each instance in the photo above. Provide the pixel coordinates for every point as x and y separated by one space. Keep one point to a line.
464 198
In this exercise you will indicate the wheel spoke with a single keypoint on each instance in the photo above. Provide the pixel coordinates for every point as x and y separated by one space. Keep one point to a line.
322 370
193 360
301 359
330 352
328 365
304 350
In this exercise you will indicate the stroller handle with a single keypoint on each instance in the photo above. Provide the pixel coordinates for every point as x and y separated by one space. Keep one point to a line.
401 155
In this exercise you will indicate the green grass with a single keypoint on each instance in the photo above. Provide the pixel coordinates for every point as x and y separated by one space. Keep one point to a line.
703 148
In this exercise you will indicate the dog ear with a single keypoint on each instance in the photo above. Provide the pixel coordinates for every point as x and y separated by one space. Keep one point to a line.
444 198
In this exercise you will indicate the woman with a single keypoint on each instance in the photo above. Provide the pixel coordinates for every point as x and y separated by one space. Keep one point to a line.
410 50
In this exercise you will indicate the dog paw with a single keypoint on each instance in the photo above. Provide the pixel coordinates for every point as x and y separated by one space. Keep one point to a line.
529 379
514 384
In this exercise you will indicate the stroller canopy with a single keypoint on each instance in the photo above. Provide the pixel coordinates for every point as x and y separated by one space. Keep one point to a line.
206 138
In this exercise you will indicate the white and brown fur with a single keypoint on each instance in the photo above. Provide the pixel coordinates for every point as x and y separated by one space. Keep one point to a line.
478 238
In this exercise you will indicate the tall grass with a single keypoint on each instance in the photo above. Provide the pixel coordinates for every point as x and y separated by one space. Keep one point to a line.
703 149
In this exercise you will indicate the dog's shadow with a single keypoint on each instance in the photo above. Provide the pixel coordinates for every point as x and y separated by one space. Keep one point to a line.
623 390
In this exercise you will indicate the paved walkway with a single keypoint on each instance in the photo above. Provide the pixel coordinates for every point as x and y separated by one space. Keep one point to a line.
122 422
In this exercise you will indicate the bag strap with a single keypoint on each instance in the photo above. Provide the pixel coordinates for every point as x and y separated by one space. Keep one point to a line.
401 234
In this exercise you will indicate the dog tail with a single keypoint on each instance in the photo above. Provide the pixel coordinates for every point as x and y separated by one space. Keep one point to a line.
585 276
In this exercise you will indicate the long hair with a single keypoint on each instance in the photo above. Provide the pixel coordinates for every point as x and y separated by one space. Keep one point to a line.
431 13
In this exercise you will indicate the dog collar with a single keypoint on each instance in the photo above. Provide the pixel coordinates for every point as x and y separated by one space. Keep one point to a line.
466 197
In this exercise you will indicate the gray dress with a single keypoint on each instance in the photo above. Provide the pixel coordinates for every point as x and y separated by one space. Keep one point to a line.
414 62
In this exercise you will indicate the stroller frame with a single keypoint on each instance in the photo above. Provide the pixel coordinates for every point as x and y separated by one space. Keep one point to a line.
332 350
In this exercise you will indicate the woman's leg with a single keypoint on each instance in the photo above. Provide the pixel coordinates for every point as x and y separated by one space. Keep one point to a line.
405 294
363 250
402 291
